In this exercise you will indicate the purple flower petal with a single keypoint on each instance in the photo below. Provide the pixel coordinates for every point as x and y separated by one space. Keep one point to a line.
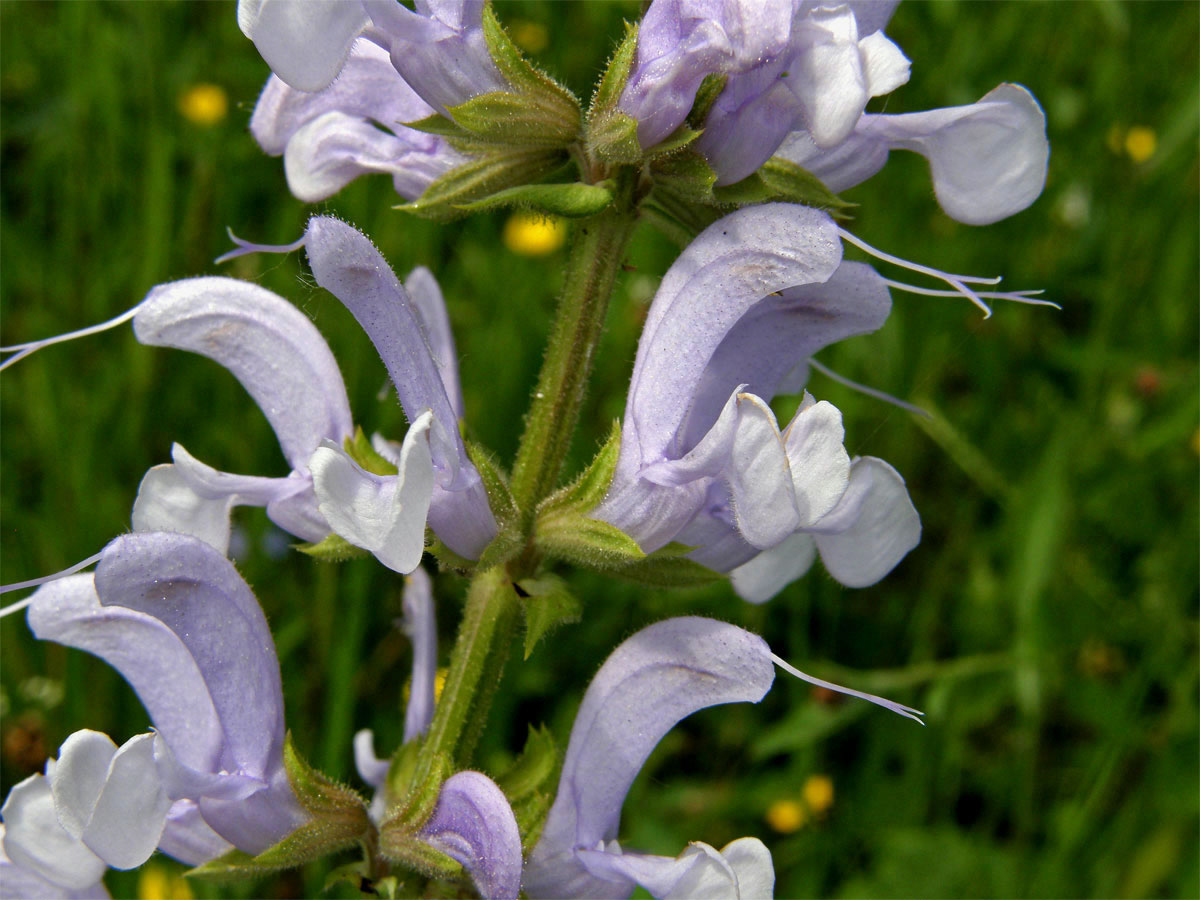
988 159
166 502
474 824
347 264
333 149
438 48
420 624
147 653
188 838
127 818
305 42
20 883
426 296
196 592
270 347
769 572
741 869
369 88
732 266
655 678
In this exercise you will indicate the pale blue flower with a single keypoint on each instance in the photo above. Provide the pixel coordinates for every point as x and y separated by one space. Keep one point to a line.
438 48
654 679
349 74
789 65
352 127
703 461
798 77
412 334
173 616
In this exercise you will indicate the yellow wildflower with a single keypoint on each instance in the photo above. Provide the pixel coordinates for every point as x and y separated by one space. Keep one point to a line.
786 816
1140 143
203 104
157 882
818 793
534 234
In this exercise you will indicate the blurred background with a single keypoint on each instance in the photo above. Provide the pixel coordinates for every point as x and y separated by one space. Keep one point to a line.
1047 623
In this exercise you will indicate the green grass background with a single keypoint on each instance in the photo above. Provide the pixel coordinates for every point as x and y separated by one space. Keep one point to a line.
1047 623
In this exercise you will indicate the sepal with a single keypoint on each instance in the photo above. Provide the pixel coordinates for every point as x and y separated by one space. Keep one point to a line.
319 794
706 95
547 603
358 876
529 783
339 819
398 835
447 559
508 540
779 179
505 119
360 449
613 138
572 201
585 492
415 791
536 86
333 548
687 176
669 567
583 541
484 175
794 184
612 83
680 138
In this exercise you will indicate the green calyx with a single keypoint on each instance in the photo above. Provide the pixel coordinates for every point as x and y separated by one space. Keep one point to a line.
338 820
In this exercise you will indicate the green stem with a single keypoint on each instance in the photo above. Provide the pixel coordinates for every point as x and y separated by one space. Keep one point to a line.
596 253
491 602
489 681
489 618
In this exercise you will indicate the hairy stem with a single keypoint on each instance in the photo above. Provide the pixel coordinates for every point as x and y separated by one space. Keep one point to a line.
596 252
491 607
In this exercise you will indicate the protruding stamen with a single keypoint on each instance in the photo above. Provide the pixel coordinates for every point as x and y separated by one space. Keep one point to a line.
33 346
898 708
869 391
1029 297
35 582
958 282
247 247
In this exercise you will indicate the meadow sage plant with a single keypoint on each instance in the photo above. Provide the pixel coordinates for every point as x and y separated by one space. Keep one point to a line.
727 124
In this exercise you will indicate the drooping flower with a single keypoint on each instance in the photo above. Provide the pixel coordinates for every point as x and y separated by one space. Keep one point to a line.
278 355
414 341
787 65
702 459
474 824
350 73
438 48
650 682
173 616
798 75
352 127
